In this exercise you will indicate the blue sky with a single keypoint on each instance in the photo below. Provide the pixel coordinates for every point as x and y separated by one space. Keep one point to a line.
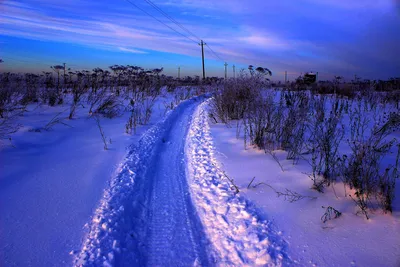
333 37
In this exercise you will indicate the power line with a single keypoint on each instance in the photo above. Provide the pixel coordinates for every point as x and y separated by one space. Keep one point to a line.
172 19
147 13
214 53
180 25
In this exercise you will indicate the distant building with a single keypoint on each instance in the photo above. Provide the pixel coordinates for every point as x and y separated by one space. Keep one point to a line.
310 78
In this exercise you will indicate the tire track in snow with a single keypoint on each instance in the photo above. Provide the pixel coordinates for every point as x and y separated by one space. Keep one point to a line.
239 237
173 237
146 217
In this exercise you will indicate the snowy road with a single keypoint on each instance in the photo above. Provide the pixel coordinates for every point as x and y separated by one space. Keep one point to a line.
161 227
170 205
166 204
174 236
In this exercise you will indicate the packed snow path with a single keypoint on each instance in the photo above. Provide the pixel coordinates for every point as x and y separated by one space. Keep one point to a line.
156 223
174 236
147 217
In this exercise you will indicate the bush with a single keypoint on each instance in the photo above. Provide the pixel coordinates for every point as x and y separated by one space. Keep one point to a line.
301 123
235 97
110 107
140 114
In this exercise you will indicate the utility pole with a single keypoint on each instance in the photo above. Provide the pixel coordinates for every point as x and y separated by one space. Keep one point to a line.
226 72
202 58
234 72
64 72
285 77
316 78
179 73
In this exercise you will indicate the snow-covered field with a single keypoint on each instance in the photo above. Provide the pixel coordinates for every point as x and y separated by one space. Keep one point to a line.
350 240
176 193
52 181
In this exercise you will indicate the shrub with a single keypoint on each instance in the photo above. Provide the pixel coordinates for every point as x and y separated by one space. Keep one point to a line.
110 107
234 98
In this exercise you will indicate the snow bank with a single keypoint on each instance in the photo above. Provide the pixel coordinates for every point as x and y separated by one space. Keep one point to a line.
239 236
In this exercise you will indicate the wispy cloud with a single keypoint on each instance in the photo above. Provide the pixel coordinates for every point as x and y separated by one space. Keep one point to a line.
356 4
265 42
131 50
23 22
335 36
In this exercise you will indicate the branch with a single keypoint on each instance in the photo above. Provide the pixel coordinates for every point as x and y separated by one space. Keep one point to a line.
97 119
229 179
329 213
288 195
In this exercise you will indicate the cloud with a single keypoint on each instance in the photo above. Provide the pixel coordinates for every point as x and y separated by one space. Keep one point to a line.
265 42
130 50
23 22
332 36
356 4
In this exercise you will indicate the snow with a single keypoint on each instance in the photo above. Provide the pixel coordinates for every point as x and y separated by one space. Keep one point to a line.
146 217
52 182
239 236
167 197
349 240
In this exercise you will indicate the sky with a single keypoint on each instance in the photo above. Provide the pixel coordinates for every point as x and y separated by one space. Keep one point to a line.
331 37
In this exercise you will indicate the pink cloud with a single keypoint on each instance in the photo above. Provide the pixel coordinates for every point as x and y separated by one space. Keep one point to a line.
131 50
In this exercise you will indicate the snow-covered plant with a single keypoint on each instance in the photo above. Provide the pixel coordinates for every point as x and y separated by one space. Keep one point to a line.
57 119
57 69
294 102
79 88
364 169
95 97
330 213
386 187
233 99
49 94
182 93
110 107
103 136
133 119
316 166
169 106
10 108
258 118
140 113
294 127
8 125
9 102
327 137
288 194
278 119
148 104
326 132
31 89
